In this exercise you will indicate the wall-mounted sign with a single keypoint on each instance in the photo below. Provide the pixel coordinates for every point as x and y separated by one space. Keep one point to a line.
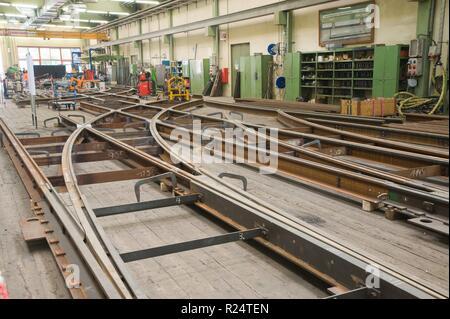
351 24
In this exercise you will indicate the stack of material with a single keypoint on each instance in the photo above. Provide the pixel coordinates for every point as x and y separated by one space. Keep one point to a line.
286 105
379 107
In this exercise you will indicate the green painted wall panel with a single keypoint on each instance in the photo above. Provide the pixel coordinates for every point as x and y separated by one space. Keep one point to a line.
255 76
292 75
199 75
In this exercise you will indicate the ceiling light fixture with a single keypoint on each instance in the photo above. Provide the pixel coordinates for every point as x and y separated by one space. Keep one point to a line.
139 1
13 15
18 5
27 6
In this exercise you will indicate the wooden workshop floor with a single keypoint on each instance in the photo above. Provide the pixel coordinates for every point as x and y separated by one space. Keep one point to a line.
230 271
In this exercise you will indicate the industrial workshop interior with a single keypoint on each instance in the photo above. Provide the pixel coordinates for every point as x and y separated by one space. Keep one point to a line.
236 157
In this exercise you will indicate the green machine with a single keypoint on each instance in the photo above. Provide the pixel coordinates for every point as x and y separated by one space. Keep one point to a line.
390 70
255 72
292 75
199 75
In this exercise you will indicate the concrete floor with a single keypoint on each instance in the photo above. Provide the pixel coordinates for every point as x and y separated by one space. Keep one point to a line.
234 270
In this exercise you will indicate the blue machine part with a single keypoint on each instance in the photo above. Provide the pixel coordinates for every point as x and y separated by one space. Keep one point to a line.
272 49
280 82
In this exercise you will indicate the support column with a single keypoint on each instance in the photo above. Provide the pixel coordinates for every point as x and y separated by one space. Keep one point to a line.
289 31
169 38
115 49
216 33
425 20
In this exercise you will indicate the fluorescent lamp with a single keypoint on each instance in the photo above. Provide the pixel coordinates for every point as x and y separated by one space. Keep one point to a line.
13 15
108 12
64 26
98 21
71 19
119 13
139 1
147 2
96 11
29 6
4 4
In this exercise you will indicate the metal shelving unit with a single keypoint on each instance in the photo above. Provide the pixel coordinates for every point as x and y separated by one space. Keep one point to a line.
329 76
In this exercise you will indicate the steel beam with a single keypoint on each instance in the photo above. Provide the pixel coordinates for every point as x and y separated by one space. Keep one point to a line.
191 245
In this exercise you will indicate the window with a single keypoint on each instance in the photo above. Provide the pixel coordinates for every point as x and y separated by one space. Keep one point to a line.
47 56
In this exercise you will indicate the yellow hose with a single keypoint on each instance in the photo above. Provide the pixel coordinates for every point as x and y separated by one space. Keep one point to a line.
407 100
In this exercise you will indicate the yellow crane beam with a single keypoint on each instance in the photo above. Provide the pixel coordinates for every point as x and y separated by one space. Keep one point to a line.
54 34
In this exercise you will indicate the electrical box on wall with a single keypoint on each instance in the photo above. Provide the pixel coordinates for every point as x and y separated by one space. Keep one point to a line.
415 67
416 48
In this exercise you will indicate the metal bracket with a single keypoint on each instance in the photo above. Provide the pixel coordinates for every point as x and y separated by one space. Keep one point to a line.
137 186
241 115
315 142
359 293
51 119
235 176
79 116
216 113
27 134
61 130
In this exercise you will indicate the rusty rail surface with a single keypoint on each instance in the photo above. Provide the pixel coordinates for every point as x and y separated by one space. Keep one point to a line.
143 147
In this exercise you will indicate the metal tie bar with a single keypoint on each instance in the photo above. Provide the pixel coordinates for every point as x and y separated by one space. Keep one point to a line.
137 207
192 245
28 134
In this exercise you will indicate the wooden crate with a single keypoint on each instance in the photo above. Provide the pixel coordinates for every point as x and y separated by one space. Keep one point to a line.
379 107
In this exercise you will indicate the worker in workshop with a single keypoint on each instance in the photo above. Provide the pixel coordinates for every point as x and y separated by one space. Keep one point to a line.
5 87
25 78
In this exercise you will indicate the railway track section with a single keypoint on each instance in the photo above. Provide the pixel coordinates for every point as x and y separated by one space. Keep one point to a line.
138 136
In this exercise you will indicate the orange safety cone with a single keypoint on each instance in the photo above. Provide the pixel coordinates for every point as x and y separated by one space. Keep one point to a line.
3 291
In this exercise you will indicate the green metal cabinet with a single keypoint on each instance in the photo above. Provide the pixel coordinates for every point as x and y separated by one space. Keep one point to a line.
386 73
292 75
199 75
255 76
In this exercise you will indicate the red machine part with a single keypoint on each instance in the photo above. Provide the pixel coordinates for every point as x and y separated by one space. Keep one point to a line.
225 72
144 88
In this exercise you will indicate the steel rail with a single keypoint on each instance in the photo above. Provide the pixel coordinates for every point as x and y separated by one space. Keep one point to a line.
325 158
321 256
257 202
198 185
361 187
408 140
94 233
94 278
273 213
